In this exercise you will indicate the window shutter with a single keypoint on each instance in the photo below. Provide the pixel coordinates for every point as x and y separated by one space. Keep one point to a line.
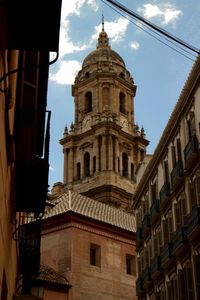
177 215
197 274
183 206
165 232
192 194
170 224
155 245
198 187
169 291
189 280
182 286
175 289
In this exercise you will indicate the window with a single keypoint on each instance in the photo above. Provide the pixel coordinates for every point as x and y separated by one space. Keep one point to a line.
88 102
95 255
132 172
94 164
87 164
130 264
78 171
125 164
122 103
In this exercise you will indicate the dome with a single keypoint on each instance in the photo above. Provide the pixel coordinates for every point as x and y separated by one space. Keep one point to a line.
103 55
103 52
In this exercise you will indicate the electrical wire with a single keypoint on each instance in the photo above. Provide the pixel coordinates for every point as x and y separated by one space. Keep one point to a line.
152 26
155 36
29 67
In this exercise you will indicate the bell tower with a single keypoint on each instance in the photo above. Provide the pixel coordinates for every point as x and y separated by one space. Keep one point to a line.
104 145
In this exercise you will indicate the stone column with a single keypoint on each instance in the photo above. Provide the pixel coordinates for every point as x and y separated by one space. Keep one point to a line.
70 165
103 156
65 170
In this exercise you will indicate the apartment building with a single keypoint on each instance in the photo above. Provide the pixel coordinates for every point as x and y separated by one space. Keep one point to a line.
166 204
24 137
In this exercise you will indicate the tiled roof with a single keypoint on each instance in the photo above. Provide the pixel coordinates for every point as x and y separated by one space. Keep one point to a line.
71 201
49 275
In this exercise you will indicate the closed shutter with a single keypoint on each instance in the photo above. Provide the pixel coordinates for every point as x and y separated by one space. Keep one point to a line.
182 286
175 289
198 187
169 291
170 224
165 232
192 195
155 245
183 206
189 280
197 274
177 215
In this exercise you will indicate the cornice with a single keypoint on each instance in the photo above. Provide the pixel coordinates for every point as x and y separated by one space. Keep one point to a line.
74 220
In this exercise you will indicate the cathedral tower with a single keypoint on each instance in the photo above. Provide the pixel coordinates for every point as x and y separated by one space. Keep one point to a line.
104 145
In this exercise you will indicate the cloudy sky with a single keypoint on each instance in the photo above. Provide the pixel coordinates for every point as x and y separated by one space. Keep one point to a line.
158 71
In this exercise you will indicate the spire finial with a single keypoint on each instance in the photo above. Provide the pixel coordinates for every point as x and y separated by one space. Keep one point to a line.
102 22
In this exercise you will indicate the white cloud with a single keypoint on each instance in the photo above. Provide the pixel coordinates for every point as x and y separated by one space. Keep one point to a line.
135 45
66 73
66 46
115 30
51 169
73 7
165 13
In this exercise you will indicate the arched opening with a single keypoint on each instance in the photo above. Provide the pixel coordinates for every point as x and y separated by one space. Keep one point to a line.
94 164
86 164
124 164
122 103
132 172
78 171
88 102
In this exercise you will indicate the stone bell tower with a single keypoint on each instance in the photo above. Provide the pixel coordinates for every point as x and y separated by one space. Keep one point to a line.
104 146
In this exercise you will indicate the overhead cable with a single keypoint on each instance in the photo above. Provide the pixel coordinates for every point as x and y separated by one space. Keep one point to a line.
153 26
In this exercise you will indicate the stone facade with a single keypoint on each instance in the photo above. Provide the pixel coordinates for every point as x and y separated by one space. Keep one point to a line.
167 202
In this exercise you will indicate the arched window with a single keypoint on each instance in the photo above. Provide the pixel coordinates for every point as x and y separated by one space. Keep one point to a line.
94 164
122 103
124 164
88 102
87 164
132 171
78 171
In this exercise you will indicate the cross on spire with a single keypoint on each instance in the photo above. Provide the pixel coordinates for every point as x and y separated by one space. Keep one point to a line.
102 22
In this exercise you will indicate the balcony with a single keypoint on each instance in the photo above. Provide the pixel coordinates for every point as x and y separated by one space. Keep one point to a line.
146 278
191 151
29 247
146 225
164 194
166 255
155 211
139 286
179 241
156 267
139 237
32 132
193 224
177 173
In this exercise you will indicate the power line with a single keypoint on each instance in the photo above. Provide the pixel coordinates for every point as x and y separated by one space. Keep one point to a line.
156 28
141 27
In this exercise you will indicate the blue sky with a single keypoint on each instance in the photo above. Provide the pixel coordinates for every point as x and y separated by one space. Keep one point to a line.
158 71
